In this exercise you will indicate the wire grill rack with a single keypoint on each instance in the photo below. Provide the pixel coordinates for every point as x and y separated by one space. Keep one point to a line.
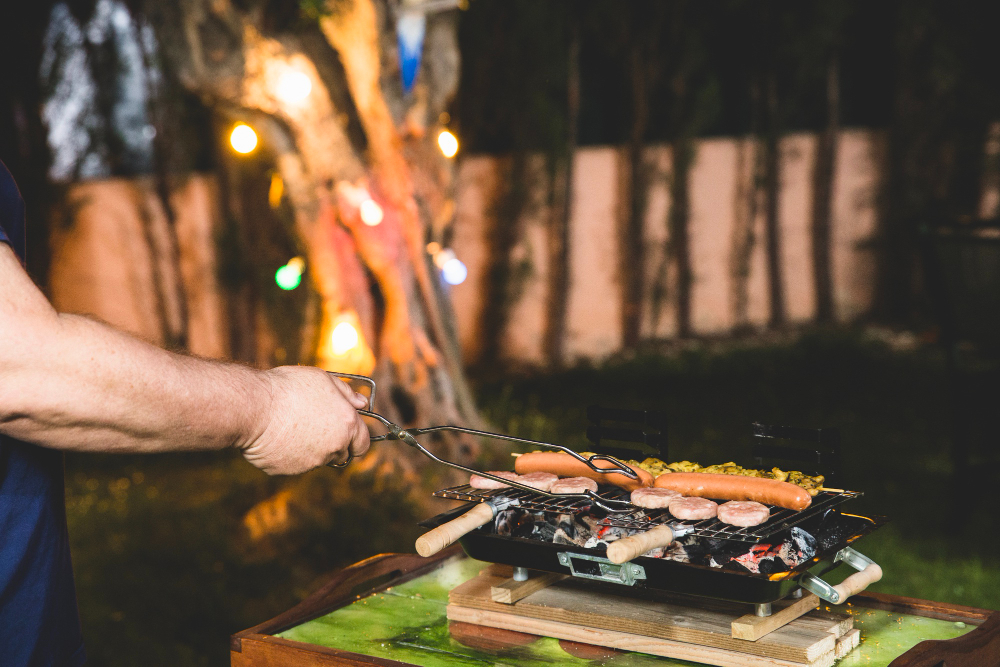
644 519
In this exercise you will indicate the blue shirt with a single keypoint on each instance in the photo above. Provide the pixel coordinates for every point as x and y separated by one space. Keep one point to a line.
39 622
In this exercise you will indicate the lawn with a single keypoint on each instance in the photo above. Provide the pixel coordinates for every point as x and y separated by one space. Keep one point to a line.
166 568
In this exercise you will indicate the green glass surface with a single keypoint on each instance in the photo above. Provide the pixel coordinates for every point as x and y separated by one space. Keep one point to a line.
408 623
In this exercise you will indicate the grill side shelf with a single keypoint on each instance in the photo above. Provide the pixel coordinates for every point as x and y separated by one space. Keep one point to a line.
640 520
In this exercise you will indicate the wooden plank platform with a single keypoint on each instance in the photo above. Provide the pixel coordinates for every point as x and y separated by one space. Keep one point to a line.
668 626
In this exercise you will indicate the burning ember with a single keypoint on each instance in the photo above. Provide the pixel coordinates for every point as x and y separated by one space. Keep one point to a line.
587 530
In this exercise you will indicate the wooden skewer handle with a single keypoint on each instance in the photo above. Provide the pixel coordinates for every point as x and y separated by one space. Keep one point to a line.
437 539
627 548
858 581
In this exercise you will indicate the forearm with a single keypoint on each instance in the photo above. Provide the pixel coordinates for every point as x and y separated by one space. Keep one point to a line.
75 384
71 383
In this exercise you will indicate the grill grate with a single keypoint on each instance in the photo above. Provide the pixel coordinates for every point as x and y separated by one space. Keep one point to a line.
643 519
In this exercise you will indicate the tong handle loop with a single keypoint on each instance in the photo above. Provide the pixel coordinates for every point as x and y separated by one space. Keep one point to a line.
364 379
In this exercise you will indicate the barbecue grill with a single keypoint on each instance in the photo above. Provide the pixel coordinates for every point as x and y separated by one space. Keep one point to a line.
491 524
835 531
823 521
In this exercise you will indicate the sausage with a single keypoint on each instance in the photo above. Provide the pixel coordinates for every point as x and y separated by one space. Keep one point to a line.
736 487
564 465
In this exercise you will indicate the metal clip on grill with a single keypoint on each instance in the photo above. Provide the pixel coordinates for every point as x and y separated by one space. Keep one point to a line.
444 535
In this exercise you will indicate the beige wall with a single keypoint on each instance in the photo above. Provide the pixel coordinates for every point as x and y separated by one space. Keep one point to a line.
108 259
113 257
720 179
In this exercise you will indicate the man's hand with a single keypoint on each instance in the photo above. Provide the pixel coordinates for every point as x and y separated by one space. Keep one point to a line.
312 420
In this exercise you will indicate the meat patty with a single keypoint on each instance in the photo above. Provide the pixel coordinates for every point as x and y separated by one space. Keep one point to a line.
538 480
693 509
653 498
573 485
479 482
744 513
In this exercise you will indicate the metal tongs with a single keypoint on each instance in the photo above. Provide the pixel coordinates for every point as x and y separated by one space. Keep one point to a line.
409 437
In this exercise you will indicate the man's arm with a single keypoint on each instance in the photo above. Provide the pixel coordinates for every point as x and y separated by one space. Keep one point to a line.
71 383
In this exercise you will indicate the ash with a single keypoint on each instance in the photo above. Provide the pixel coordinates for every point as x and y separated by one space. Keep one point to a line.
586 530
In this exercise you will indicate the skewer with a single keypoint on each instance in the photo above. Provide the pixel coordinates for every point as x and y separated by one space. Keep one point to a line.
823 488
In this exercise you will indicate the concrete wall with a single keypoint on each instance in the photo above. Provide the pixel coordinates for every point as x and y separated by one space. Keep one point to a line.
721 180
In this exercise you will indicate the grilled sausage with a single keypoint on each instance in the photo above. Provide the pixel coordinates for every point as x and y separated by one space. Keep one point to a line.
564 465
736 487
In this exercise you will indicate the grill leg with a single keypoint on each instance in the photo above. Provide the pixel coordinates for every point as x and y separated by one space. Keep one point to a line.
520 574
762 609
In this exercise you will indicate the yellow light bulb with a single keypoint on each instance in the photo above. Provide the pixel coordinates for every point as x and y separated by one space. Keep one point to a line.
344 338
243 139
371 212
293 86
448 143
276 191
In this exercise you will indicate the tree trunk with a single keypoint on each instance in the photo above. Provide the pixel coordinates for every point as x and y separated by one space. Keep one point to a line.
632 256
501 282
682 155
332 149
748 194
772 195
561 211
823 174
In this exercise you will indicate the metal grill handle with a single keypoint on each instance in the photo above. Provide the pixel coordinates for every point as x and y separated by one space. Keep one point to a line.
868 573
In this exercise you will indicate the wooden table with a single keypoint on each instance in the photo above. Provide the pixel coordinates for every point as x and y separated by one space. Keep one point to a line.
389 610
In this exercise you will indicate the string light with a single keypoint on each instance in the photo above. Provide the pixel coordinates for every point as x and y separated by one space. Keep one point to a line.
293 86
243 139
454 271
344 338
275 192
289 276
442 257
371 212
448 143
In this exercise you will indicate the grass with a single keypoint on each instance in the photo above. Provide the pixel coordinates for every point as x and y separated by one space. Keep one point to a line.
166 569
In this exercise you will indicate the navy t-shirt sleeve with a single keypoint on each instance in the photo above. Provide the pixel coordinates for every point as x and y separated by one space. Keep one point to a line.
11 212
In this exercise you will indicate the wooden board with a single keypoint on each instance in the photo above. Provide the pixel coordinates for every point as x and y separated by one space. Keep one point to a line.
627 642
752 627
510 591
706 623
847 643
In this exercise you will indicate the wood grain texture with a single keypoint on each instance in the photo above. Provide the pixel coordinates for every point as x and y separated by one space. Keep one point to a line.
265 651
510 591
847 643
446 534
944 611
858 581
573 602
627 641
752 627
627 548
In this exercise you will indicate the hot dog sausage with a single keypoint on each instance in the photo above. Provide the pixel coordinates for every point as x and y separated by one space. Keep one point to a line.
736 487
564 465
